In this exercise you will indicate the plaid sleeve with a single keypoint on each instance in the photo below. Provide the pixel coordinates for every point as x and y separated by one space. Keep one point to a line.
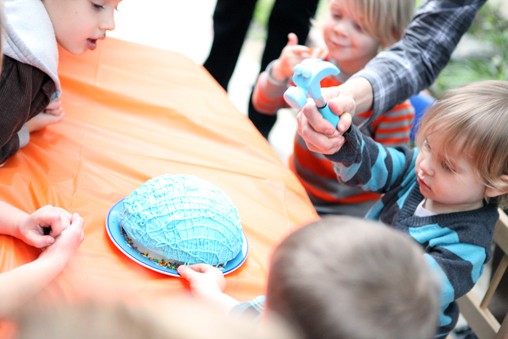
413 63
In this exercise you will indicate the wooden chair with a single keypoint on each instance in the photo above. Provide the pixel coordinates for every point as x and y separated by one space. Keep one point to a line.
475 309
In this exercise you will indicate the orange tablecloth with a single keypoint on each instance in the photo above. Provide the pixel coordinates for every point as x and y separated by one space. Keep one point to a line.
133 113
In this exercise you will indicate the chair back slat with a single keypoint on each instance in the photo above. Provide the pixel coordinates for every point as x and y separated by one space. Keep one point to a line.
501 232
474 309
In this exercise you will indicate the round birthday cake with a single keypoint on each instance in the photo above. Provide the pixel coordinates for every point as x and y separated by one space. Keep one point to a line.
182 219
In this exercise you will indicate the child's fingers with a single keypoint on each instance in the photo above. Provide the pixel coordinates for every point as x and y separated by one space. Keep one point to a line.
187 273
39 241
58 112
319 141
78 223
202 268
292 39
55 104
344 123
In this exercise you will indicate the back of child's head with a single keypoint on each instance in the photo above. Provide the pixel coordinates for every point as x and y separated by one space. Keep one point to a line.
473 119
383 19
344 277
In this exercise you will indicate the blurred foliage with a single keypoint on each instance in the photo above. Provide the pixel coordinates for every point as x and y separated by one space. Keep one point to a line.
262 12
490 32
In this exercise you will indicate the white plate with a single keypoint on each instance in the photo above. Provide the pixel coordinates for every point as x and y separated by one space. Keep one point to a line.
115 233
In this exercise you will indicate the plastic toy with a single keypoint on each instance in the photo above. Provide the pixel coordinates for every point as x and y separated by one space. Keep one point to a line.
307 77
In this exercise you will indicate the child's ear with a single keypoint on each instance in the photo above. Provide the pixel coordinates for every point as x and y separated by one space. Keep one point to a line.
501 189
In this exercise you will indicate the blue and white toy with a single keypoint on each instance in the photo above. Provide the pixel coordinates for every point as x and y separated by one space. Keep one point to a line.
307 77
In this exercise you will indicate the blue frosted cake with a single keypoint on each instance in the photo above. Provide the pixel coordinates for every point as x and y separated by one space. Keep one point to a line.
182 219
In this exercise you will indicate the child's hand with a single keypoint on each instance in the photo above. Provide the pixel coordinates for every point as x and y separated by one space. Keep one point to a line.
208 284
31 229
54 108
51 115
290 56
319 134
205 280
66 243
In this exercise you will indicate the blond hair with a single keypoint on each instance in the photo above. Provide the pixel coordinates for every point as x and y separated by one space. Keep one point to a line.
384 20
475 119
345 277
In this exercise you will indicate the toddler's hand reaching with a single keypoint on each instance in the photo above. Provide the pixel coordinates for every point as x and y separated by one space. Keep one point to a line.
208 284
205 280
51 115
291 55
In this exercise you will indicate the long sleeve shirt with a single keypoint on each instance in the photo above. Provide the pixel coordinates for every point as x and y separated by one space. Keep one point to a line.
457 245
29 77
314 171
413 63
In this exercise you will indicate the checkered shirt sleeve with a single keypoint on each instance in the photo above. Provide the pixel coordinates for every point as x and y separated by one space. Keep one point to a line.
413 63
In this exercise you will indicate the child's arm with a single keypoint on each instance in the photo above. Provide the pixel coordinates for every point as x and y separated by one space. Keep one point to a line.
21 284
208 284
51 115
457 251
31 228
292 54
268 94
10 144
364 163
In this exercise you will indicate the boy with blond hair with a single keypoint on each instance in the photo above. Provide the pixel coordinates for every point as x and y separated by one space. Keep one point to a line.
445 193
354 31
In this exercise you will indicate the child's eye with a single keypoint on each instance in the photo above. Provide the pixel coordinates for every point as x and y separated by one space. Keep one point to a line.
358 27
336 16
97 6
448 167
335 12
426 145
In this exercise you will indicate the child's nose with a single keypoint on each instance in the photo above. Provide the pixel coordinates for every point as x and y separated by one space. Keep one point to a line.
108 24
426 167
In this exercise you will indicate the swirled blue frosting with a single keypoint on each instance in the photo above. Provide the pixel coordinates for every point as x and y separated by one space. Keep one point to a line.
183 219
